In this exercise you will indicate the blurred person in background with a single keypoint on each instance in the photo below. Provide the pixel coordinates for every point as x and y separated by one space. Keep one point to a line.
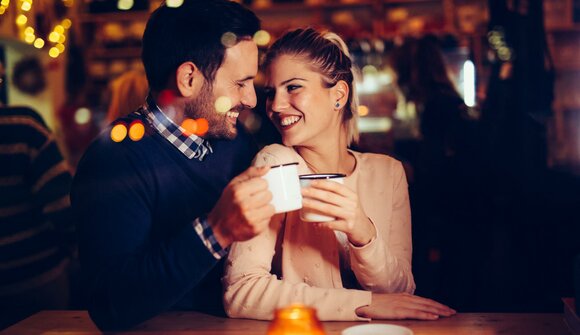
447 169
37 234
357 266
127 92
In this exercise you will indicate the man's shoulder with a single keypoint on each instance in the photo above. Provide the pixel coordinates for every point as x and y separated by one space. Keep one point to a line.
118 143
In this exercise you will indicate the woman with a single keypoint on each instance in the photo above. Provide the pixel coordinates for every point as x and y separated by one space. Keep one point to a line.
358 266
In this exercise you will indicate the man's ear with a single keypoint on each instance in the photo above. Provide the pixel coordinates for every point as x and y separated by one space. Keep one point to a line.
189 79
340 94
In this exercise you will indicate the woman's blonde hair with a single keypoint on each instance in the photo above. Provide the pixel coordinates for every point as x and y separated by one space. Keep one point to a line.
329 56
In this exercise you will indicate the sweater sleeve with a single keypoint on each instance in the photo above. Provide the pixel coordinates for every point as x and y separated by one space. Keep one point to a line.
132 273
384 265
252 291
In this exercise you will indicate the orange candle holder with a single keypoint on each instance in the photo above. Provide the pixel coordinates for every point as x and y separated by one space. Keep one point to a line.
296 319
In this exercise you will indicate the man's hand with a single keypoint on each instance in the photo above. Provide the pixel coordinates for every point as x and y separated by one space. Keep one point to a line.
403 306
243 210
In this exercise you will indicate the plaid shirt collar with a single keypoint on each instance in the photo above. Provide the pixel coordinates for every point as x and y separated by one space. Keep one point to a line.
192 146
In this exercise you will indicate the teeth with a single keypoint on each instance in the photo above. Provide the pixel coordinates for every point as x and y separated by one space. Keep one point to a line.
286 121
232 114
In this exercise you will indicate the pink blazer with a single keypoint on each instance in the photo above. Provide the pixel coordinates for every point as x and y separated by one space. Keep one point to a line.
309 262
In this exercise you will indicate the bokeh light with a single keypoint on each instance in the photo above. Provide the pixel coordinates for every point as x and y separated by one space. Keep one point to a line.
118 132
125 4
202 127
229 39
39 43
59 47
82 115
53 52
189 126
53 37
262 38
66 23
363 110
26 6
21 20
174 3
59 29
29 38
369 69
223 104
136 131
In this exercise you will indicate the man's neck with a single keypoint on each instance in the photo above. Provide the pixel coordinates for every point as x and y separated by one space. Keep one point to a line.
171 107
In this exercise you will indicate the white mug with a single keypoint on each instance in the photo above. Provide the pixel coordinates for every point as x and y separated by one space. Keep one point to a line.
284 184
305 180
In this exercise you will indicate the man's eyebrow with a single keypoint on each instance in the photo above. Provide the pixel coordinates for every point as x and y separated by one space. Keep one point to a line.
246 78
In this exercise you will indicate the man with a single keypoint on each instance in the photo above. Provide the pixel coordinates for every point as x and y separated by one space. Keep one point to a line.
157 213
36 230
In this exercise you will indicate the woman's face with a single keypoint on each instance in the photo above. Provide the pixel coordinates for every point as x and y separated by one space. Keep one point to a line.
299 105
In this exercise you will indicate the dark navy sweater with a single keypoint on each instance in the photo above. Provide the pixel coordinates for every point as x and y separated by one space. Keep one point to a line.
136 201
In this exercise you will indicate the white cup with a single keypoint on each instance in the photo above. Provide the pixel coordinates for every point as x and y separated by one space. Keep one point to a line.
305 180
284 184
377 329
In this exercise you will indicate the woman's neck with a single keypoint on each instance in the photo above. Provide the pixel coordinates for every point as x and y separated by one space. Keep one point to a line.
328 157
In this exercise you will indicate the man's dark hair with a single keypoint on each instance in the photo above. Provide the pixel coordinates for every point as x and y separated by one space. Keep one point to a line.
192 32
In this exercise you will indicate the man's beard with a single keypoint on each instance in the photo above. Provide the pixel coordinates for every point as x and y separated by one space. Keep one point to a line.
203 107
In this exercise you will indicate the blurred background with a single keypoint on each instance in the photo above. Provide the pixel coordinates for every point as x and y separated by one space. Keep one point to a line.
489 132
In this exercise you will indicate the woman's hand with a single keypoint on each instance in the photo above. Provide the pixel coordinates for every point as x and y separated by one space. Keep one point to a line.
398 306
337 200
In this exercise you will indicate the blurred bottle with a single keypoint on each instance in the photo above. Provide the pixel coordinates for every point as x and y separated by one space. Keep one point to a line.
295 320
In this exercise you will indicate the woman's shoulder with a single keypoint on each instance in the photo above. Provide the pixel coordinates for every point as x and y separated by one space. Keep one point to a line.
373 158
275 154
378 163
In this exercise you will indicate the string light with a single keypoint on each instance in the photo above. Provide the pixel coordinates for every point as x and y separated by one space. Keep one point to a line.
56 38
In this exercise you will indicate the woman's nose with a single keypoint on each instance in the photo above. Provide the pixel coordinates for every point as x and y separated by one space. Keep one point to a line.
278 103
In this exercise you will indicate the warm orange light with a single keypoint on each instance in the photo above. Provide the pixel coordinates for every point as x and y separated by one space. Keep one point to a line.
295 319
189 126
202 127
363 110
136 131
119 132
66 23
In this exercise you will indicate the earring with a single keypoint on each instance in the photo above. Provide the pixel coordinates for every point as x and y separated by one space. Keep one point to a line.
337 104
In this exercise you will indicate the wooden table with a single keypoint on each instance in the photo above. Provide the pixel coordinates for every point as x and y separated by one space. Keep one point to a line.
192 323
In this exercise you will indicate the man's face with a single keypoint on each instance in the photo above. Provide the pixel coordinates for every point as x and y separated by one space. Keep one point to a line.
233 87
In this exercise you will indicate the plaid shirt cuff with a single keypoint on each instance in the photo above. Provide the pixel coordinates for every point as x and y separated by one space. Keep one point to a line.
206 235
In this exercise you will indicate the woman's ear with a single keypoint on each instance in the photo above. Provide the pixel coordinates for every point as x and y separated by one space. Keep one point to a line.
340 94
189 79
